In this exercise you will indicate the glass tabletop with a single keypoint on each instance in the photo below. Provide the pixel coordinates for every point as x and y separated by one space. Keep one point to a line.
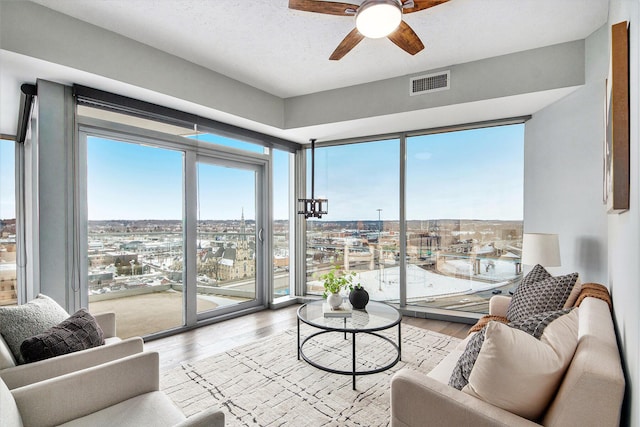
376 316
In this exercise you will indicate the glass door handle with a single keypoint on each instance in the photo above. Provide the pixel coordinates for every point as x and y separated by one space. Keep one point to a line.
260 235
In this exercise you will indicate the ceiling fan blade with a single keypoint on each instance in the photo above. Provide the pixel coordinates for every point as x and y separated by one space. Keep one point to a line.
348 43
406 39
319 6
422 4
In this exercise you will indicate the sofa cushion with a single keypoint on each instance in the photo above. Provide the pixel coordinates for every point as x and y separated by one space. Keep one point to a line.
10 413
149 409
519 373
538 293
20 322
78 332
442 371
593 388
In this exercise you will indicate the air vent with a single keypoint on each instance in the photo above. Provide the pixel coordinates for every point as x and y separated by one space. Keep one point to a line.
430 83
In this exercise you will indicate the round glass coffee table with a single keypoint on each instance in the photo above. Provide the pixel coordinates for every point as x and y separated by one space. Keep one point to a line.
376 317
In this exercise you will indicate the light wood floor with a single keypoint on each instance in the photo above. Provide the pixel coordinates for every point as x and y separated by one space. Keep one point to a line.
209 340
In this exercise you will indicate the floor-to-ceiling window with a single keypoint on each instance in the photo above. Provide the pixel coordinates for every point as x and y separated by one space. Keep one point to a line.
464 204
282 252
8 272
361 231
462 230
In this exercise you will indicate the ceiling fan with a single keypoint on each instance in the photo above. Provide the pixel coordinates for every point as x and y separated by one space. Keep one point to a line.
374 19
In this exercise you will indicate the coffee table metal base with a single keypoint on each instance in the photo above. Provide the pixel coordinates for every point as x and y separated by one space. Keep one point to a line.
353 372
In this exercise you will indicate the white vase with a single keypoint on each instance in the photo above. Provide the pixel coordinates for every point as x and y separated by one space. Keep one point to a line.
334 300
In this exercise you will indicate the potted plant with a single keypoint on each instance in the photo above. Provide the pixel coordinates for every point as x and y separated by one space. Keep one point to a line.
334 281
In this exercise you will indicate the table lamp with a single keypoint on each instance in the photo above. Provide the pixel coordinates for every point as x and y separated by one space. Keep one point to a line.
541 248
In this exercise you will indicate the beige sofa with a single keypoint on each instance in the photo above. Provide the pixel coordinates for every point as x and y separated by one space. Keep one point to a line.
15 376
590 394
121 393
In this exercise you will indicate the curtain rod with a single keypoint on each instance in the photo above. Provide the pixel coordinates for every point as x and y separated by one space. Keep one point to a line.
122 104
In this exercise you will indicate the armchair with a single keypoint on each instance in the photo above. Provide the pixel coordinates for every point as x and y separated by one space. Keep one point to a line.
21 375
15 375
124 392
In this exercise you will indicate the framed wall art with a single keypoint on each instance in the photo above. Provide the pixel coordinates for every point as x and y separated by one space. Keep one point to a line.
616 143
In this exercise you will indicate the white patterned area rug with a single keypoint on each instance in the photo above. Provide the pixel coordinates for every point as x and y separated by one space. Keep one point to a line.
264 384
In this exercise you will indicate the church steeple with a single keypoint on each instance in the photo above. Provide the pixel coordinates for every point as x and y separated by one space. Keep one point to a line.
243 227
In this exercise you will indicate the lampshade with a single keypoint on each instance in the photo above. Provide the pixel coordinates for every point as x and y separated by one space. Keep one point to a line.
540 248
378 18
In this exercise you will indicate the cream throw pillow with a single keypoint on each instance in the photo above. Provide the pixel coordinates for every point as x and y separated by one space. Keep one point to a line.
519 373
575 293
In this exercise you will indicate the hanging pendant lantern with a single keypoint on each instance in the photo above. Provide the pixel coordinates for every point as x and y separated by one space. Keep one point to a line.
313 208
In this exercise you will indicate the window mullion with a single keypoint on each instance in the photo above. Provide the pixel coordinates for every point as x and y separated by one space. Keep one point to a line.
190 237
403 221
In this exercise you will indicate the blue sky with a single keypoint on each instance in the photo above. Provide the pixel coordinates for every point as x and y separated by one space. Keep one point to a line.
7 180
130 181
474 174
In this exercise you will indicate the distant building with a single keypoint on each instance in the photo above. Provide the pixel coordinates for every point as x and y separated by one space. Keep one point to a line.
8 282
236 260
280 261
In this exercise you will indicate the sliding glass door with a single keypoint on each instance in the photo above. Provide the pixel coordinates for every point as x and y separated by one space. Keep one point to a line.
228 234
174 230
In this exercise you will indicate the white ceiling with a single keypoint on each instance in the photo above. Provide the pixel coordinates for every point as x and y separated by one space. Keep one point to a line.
285 52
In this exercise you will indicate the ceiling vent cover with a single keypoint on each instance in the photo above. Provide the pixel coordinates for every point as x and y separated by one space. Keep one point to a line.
430 83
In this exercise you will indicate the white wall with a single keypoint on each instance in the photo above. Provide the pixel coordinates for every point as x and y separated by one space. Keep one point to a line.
563 192
624 230
563 171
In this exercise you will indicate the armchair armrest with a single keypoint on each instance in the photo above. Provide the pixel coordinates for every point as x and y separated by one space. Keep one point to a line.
498 305
417 399
71 396
107 322
21 375
211 417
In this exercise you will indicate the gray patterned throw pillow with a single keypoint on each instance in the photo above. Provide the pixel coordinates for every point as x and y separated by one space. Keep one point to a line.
534 325
78 332
536 274
460 375
540 292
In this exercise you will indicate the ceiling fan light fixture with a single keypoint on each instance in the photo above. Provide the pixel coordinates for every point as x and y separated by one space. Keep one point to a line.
378 18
